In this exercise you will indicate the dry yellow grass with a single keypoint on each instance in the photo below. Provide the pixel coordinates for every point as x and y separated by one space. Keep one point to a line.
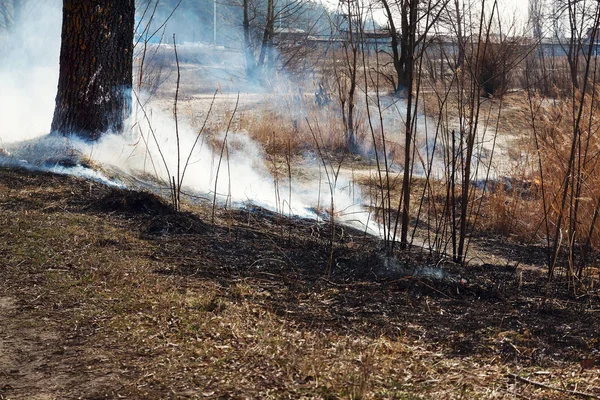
170 316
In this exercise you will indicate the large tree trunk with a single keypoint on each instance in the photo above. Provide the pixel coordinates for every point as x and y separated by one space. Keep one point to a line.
95 79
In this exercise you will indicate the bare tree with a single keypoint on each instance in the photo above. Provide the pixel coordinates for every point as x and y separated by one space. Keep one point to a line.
11 12
417 18
573 21
351 28
584 25
248 52
259 31
6 15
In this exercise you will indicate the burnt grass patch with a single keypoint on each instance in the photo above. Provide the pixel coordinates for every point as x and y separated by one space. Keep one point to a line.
500 315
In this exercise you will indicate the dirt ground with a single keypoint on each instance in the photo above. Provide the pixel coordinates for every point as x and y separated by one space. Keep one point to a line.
106 293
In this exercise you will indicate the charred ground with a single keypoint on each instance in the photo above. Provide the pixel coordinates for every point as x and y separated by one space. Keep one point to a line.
108 293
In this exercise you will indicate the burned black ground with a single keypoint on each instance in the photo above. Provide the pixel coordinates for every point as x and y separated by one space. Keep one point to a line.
65 241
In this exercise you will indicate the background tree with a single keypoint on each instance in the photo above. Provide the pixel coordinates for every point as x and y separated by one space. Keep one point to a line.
10 13
95 76
264 20
6 15
415 19
409 22
350 27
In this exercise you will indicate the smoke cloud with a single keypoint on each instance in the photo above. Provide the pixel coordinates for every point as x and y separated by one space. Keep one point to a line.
29 72
148 150
238 175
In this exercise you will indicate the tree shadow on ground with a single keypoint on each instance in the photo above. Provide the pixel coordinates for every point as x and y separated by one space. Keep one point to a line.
505 312
485 309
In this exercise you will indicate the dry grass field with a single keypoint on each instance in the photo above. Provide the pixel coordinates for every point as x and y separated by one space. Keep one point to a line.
106 293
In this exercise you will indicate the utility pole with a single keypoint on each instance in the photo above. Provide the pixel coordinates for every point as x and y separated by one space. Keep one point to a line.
215 22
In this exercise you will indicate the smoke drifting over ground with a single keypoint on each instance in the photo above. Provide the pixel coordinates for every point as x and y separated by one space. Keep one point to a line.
148 150
243 176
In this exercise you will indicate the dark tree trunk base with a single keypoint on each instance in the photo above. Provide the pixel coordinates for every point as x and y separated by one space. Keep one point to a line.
96 57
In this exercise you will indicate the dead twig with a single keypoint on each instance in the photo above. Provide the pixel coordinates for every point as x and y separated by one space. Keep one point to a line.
545 386
177 184
224 145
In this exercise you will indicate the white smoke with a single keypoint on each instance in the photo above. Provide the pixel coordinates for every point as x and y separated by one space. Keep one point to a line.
29 72
148 151
232 165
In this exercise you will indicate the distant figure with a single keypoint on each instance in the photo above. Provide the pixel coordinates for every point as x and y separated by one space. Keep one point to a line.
321 96
300 96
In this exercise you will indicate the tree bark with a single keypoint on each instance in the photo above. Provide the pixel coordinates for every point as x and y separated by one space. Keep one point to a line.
95 77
